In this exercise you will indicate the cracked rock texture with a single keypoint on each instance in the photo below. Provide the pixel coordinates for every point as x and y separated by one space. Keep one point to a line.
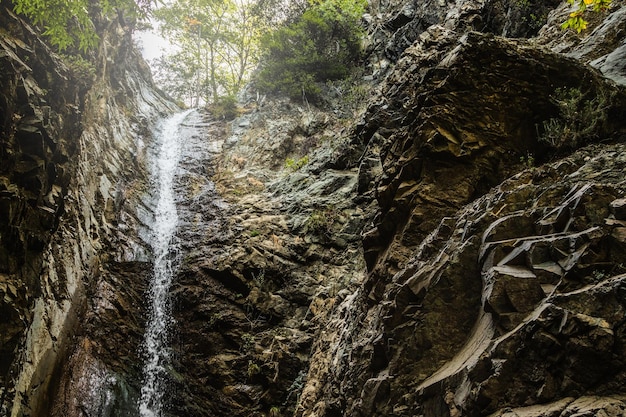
73 218
453 245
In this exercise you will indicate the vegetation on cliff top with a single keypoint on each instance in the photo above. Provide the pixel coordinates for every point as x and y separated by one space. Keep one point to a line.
292 45
69 23
219 43
320 45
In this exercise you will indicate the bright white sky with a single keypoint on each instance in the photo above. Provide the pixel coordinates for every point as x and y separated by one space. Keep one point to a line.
151 44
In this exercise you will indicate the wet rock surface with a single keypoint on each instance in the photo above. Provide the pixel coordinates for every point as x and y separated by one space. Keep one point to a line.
73 219
264 251
457 249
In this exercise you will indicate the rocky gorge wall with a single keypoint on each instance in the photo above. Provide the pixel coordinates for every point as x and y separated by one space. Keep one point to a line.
476 223
450 244
74 214
467 308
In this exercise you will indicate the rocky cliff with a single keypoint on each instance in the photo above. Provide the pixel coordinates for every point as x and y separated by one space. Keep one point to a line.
73 204
467 308
444 237
473 179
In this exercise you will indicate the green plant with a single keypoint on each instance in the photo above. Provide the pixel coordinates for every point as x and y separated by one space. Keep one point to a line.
69 23
216 49
321 44
254 233
294 165
225 107
274 412
321 221
214 319
598 275
534 13
528 160
576 21
247 342
579 118
253 369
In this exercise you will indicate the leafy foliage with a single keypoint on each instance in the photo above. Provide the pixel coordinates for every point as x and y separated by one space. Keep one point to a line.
580 118
321 221
225 107
319 45
216 47
68 23
295 165
576 21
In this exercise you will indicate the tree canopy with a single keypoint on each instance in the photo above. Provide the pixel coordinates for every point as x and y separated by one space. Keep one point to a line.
220 43
216 47
319 45
68 23
289 45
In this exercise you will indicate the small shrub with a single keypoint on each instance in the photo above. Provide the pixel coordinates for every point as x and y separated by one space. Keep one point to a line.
247 342
294 165
214 320
534 14
321 221
580 119
225 108
253 369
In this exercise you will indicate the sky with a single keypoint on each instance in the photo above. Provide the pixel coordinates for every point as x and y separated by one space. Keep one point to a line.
151 44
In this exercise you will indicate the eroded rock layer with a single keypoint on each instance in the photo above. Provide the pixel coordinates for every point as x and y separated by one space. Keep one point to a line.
452 245
468 305
73 218
514 300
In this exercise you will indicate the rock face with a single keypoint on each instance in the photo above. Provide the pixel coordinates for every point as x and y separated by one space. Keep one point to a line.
265 252
514 300
73 211
468 307
457 249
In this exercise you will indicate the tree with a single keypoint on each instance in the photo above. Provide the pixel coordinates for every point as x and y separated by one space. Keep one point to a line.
216 39
576 20
321 44
68 23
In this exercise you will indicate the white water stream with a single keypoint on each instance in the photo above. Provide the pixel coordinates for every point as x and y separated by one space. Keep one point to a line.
156 349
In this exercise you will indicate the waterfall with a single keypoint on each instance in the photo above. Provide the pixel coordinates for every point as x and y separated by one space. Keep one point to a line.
156 349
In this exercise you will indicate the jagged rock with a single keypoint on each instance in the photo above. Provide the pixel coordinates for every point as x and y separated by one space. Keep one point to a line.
481 102
71 184
601 45
469 315
498 335
484 296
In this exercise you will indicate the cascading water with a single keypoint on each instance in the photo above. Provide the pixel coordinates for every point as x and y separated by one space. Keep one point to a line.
165 221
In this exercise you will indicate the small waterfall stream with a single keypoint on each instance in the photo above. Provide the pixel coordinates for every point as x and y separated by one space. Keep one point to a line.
156 350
